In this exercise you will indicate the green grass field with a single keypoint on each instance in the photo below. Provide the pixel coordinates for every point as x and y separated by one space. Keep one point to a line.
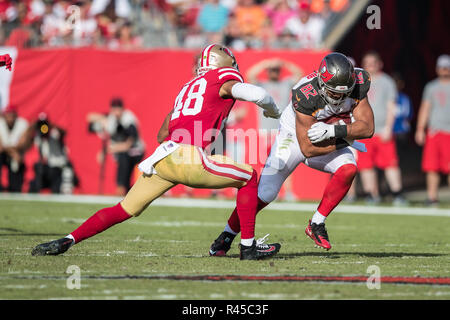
119 263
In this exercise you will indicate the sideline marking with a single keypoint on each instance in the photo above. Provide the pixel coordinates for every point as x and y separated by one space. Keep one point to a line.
445 281
230 204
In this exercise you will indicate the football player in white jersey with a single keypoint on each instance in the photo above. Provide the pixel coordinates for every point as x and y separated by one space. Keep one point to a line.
329 110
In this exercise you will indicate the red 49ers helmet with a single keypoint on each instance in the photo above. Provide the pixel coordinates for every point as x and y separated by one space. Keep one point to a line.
336 78
215 56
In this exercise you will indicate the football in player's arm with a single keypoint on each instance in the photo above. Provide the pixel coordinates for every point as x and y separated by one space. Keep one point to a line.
318 138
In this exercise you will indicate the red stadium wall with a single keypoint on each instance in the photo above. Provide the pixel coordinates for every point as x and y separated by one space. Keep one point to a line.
69 83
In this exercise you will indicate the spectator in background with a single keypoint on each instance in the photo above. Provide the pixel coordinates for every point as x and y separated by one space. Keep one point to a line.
251 21
278 12
306 27
381 148
232 36
52 26
325 7
20 31
286 40
12 149
213 17
403 113
53 170
125 39
121 126
434 114
280 90
4 6
120 8
84 31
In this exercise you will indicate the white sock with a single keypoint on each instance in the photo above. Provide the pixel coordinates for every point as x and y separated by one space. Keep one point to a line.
318 218
247 242
71 237
228 229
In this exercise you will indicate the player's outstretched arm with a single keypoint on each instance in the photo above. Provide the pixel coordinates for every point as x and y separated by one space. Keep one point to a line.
251 93
302 123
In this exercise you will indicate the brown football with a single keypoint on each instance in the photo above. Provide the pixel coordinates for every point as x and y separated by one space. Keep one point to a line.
346 117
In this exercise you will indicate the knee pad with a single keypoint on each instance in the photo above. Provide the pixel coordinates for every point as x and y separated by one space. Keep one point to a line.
267 192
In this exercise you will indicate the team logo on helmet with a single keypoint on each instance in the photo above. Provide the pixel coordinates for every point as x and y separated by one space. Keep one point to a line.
325 75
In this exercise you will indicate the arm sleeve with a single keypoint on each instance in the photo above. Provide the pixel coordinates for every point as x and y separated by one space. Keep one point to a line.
255 94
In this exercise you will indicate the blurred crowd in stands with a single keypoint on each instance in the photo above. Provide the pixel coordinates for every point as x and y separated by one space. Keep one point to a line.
134 24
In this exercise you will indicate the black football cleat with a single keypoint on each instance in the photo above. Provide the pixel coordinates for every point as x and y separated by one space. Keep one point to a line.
52 248
259 250
318 233
222 244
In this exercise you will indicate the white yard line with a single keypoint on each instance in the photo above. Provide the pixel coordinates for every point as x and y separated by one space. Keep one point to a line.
229 204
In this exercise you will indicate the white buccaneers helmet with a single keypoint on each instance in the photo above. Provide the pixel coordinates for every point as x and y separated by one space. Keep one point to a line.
215 56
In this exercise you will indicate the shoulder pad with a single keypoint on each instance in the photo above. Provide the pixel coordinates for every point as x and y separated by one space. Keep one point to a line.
227 73
305 96
362 85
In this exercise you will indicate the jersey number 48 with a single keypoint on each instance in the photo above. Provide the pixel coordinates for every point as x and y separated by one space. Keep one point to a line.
194 96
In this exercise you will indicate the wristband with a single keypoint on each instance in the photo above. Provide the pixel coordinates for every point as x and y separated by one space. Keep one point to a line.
340 131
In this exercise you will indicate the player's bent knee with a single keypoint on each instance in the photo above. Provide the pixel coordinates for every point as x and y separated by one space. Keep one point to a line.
267 192
132 209
348 171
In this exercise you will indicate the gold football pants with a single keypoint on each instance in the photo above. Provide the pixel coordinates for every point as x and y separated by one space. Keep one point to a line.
190 166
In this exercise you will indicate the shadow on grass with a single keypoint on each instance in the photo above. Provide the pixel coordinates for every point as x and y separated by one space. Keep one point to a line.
338 255
329 255
20 233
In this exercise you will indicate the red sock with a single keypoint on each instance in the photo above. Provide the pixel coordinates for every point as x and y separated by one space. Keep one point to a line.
246 205
100 221
337 188
233 221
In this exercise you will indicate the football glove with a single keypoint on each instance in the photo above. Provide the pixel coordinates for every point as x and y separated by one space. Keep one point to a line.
272 113
320 131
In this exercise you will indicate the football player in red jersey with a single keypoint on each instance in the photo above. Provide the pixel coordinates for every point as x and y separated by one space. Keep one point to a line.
5 60
335 91
199 112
